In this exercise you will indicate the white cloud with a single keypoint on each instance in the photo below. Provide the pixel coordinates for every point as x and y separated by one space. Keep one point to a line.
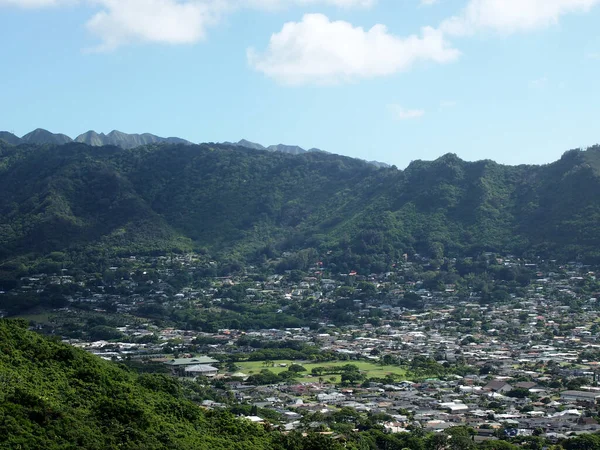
176 21
509 16
122 22
347 53
167 21
317 50
401 113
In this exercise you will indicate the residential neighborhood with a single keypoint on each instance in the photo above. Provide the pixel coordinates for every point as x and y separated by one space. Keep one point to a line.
401 347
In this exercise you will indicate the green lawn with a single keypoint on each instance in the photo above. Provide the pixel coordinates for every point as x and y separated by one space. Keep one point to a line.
371 369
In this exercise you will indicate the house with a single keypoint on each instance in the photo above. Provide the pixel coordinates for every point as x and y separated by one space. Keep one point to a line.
204 370
454 407
255 419
333 397
178 365
580 396
498 386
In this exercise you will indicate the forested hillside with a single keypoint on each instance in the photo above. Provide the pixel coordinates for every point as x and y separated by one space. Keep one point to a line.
231 201
54 396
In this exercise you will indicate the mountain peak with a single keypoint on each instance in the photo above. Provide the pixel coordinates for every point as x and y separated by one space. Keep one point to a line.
292 149
449 158
249 144
91 138
41 136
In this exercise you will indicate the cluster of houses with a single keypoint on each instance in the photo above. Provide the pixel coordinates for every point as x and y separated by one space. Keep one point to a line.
433 405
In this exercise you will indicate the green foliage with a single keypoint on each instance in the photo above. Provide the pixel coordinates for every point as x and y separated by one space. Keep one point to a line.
584 442
297 368
54 396
77 203
518 393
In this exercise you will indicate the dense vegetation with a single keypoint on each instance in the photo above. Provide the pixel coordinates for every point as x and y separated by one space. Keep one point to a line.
55 396
243 204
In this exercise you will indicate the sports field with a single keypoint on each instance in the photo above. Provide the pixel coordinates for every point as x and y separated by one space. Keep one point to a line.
371 369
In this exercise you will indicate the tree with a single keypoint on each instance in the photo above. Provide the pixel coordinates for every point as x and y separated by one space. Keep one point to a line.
576 383
387 360
317 371
352 377
104 332
583 442
367 289
297 368
518 393
412 300
346 415
437 441
461 438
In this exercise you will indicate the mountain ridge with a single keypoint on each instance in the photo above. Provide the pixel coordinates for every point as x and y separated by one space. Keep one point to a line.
128 141
117 138
290 149
284 148
233 203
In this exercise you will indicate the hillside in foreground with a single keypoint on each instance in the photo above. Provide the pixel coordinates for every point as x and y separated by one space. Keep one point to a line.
54 396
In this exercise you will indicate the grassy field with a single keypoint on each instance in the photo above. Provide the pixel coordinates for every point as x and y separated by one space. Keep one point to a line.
371 369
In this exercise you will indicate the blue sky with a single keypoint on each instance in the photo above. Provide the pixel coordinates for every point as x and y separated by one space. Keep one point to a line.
390 80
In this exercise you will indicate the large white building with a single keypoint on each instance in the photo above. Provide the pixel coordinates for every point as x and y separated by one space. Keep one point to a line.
204 370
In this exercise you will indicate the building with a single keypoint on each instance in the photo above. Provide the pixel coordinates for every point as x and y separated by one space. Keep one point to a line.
580 396
178 365
203 370
499 386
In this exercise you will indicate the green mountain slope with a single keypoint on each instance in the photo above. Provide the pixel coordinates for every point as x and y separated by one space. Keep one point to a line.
257 204
63 197
54 396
